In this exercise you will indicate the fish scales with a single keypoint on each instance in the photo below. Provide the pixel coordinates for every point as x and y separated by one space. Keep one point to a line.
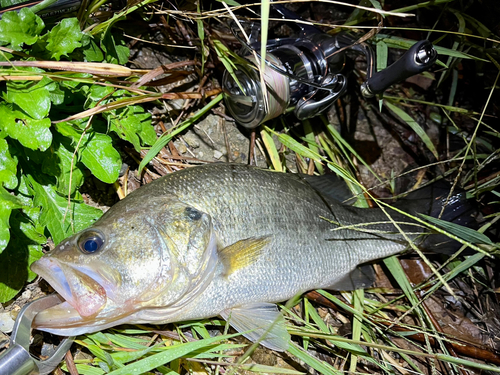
245 203
220 239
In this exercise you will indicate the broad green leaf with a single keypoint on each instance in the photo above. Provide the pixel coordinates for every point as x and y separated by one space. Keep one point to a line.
20 28
414 125
8 166
99 155
34 134
33 98
98 92
58 163
57 95
116 53
134 124
8 202
61 219
91 51
23 249
64 38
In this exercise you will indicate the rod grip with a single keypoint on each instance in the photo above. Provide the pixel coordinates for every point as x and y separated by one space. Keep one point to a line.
417 59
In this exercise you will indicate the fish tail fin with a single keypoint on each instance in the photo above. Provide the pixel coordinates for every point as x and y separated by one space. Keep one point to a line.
438 201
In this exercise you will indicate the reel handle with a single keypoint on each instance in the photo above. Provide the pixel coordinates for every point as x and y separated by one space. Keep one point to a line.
417 59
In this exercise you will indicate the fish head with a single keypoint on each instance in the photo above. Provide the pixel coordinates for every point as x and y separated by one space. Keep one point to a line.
140 254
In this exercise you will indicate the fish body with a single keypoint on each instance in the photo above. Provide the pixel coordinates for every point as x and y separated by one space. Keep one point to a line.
223 239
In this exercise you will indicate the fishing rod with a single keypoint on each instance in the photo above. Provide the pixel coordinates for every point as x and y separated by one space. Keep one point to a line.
305 73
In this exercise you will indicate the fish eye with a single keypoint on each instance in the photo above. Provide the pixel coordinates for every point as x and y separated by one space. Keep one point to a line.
193 213
90 242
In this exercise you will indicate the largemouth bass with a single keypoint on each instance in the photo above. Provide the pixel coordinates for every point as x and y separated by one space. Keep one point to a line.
217 240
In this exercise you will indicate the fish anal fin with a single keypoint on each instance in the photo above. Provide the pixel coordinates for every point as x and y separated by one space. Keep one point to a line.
260 322
362 276
242 253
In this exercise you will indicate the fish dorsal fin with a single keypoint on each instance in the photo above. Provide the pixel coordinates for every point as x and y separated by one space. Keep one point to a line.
264 321
242 253
331 186
361 277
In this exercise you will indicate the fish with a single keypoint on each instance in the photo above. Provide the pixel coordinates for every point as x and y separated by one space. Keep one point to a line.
226 240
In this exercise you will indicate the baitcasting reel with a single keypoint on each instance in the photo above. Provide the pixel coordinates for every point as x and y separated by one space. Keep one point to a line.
303 72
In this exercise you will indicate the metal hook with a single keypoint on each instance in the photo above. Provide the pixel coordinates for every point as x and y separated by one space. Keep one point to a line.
17 360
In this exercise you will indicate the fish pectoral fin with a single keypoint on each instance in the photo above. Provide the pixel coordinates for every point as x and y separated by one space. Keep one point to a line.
260 322
242 253
362 276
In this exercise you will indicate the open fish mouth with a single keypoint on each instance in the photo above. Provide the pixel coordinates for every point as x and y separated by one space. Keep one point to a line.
82 293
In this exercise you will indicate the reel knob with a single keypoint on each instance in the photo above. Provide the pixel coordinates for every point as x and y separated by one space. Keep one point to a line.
417 59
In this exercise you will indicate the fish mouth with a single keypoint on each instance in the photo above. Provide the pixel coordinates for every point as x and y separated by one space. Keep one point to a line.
83 294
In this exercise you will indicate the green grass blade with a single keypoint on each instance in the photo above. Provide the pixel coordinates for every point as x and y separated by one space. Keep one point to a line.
415 126
321 366
467 234
168 355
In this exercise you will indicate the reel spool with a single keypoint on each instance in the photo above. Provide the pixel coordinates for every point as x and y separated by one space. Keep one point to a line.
297 74
303 73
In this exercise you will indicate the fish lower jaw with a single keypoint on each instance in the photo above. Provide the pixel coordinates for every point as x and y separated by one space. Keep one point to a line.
85 294
64 320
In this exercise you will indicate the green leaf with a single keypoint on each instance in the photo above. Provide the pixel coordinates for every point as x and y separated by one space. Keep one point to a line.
230 2
61 219
315 363
116 53
23 249
92 52
99 155
33 98
86 370
168 355
414 125
20 28
8 202
34 134
467 234
293 145
98 92
8 166
132 124
58 163
64 38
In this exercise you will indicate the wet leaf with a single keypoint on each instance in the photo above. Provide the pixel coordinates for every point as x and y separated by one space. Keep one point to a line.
33 98
61 219
23 249
17 29
99 155
31 133
58 163
134 124
8 166
64 38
